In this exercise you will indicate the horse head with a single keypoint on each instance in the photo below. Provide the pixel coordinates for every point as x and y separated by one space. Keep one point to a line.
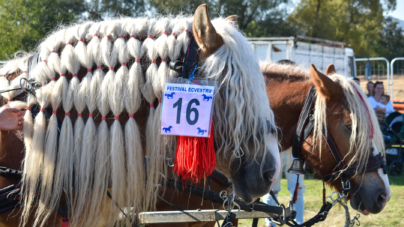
246 151
342 111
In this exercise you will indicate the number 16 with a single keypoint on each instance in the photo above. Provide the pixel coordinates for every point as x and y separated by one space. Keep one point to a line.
189 111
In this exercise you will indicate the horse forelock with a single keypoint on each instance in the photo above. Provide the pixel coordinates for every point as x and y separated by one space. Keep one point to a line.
365 127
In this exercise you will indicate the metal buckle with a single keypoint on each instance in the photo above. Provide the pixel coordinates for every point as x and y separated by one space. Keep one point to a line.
176 66
170 162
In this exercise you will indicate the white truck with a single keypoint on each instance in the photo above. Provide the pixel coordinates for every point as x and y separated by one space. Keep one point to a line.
305 50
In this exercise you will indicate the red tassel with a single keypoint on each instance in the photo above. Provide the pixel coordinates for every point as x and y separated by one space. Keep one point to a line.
195 157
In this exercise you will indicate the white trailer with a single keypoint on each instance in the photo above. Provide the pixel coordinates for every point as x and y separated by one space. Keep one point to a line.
304 51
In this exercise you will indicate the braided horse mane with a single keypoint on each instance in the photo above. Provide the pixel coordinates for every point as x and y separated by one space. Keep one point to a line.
110 69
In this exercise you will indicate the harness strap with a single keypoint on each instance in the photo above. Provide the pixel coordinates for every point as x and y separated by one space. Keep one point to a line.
8 200
214 197
255 220
219 178
10 173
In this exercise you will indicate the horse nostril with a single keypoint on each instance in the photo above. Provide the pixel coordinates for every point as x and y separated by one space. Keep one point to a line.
382 199
267 175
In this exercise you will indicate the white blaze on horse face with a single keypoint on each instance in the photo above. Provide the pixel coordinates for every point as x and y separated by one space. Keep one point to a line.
272 146
383 176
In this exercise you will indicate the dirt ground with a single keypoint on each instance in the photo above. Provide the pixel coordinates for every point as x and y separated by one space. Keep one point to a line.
398 85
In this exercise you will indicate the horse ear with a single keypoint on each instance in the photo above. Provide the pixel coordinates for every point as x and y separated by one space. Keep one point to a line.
324 85
232 18
330 70
204 32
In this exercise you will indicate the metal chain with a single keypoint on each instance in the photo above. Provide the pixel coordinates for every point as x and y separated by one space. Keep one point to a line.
343 200
228 200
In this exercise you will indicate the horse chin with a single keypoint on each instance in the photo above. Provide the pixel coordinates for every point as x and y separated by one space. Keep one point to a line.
356 204
368 205
250 188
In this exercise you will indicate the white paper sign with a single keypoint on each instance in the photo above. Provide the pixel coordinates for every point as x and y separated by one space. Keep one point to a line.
187 109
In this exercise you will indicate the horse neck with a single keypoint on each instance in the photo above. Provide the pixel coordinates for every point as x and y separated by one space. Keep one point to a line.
286 99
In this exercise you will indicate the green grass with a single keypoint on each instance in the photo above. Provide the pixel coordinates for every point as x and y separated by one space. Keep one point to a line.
392 215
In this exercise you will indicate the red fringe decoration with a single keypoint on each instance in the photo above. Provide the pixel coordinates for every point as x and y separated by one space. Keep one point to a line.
195 157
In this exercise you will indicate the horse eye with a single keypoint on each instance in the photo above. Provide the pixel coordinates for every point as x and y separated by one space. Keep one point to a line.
349 127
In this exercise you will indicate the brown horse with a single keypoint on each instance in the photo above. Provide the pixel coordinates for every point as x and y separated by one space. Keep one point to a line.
103 69
287 87
347 116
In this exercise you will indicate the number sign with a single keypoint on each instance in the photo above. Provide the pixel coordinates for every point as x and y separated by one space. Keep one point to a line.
186 110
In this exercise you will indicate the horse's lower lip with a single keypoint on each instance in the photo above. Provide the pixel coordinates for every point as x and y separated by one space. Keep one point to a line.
244 195
364 212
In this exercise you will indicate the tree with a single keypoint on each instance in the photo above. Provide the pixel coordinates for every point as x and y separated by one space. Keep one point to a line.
102 9
250 12
274 24
355 22
391 42
25 22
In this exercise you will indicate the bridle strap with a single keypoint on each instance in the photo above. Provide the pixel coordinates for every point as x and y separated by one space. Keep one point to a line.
373 164
191 58
305 126
332 147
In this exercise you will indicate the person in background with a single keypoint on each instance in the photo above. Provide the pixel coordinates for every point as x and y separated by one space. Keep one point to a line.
382 106
286 162
383 109
357 80
11 118
369 87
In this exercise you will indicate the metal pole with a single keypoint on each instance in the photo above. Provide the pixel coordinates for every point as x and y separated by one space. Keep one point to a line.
392 73
388 70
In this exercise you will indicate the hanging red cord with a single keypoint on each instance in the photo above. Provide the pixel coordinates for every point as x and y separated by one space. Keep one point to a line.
195 157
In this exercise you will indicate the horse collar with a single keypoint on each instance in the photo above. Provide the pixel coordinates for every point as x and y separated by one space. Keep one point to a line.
305 126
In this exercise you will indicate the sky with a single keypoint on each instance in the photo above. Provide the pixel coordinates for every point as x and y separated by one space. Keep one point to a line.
399 12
